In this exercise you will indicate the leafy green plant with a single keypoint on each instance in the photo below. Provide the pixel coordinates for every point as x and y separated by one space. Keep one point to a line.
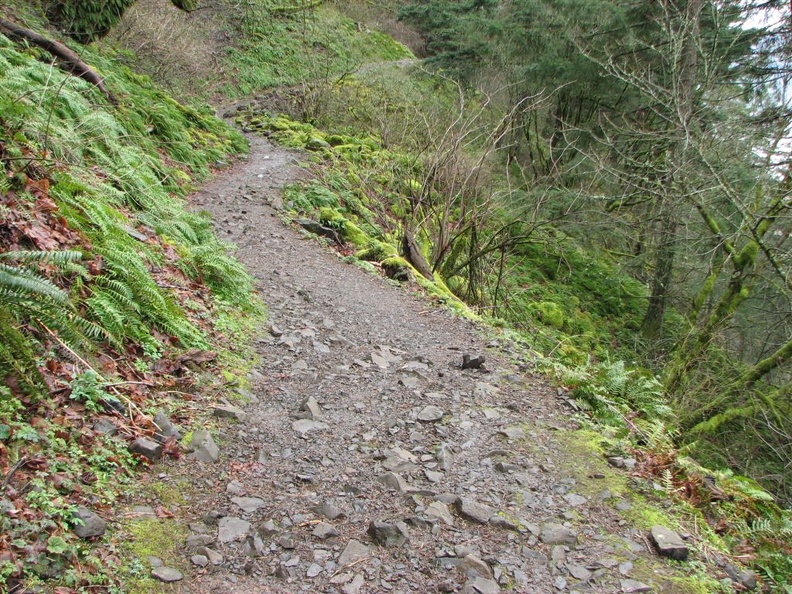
29 301
611 391
89 389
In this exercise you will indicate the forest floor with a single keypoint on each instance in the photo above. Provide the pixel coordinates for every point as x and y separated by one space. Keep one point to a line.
368 460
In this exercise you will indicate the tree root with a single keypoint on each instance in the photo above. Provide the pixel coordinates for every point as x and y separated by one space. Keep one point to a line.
67 59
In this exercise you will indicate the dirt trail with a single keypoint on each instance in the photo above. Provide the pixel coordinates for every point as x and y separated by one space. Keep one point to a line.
467 474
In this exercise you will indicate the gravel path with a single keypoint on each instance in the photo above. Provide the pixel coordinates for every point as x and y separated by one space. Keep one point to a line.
370 461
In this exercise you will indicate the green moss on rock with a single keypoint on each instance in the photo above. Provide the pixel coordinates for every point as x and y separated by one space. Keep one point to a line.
550 314
376 251
350 232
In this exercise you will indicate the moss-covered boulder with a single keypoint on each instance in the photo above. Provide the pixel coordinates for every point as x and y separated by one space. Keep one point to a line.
330 217
550 314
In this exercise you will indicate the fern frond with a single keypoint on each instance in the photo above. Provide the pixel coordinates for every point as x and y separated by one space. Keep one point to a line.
59 258
18 284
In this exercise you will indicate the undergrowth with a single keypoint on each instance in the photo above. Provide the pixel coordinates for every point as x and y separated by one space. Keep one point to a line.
280 47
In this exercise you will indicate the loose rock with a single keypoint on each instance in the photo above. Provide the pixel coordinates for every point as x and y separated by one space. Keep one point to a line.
167 574
203 446
430 414
354 551
92 525
229 411
394 481
473 511
631 586
388 535
324 530
304 426
554 534
480 585
146 448
669 543
232 529
165 429
473 567
440 510
248 504
199 560
310 407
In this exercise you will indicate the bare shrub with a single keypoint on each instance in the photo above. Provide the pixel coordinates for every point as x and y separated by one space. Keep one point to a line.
175 48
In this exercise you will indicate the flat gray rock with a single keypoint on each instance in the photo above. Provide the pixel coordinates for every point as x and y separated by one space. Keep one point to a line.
439 510
313 570
232 529
578 572
165 429
196 541
310 406
386 534
355 585
354 551
394 481
475 567
328 510
556 534
203 446
513 432
304 426
481 585
167 574
430 414
473 511
632 586
90 526
324 530
248 504
199 560
214 557
229 411
669 543
574 499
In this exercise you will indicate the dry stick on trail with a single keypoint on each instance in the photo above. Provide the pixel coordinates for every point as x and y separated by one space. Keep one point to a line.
68 60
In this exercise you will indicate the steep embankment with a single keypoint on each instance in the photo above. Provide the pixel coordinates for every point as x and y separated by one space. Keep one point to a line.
369 460
112 296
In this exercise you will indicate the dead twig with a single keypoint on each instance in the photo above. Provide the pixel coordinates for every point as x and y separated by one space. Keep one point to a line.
7 479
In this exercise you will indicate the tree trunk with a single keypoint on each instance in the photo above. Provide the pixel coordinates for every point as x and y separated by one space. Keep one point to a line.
652 326
413 254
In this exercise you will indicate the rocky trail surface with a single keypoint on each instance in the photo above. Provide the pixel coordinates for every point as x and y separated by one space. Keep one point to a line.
369 460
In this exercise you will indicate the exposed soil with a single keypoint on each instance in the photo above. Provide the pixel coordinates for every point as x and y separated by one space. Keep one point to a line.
374 355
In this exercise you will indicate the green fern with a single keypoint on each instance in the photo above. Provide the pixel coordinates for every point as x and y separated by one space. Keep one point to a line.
30 304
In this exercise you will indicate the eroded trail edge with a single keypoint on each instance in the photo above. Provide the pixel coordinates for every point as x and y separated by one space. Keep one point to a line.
369 460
